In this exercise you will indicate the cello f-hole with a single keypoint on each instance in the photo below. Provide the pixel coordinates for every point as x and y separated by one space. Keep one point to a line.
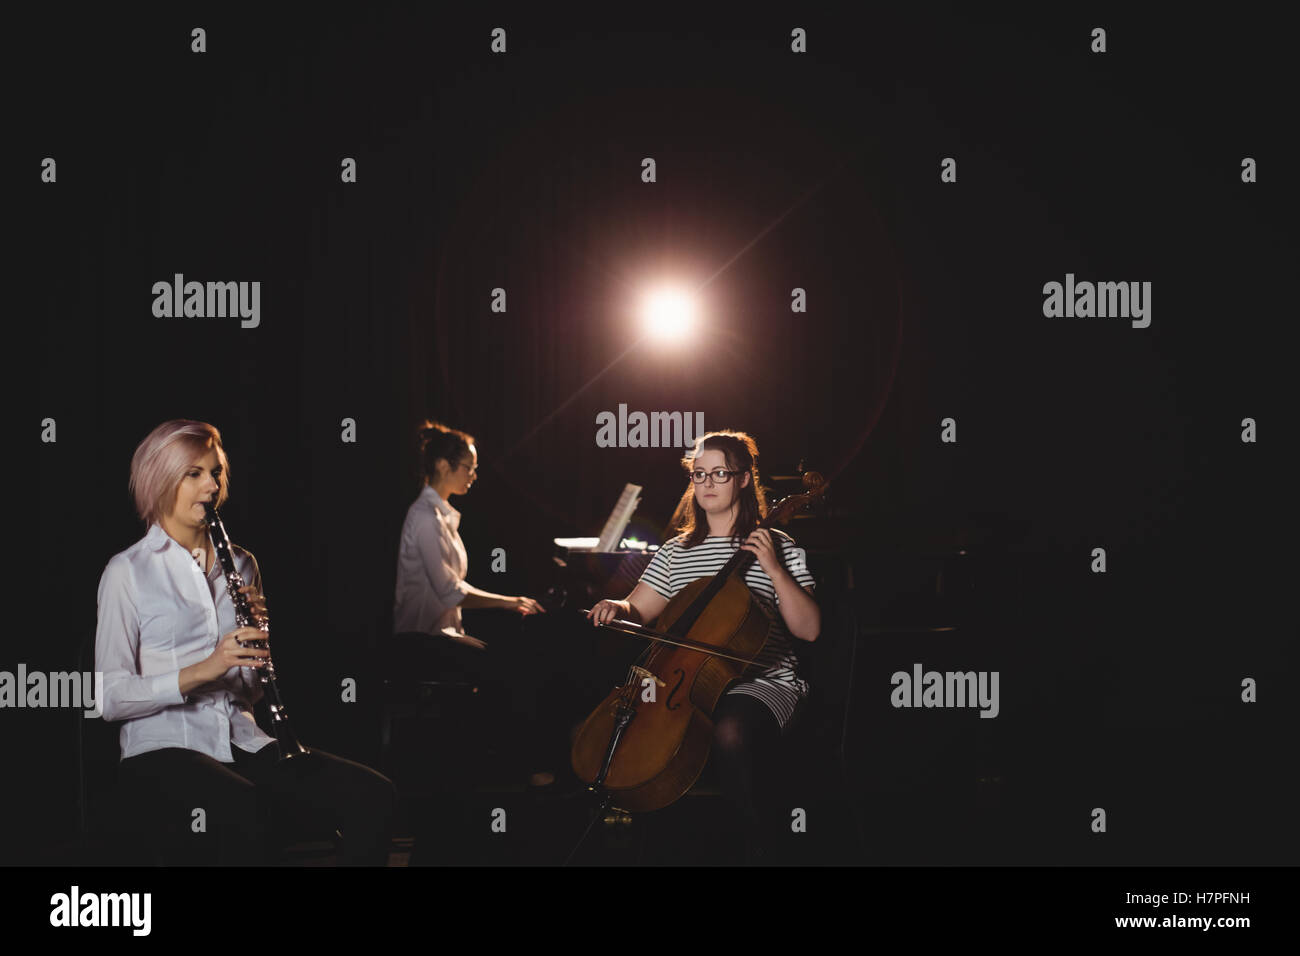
681 675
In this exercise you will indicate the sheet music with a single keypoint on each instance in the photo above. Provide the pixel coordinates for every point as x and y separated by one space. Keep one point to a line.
612 533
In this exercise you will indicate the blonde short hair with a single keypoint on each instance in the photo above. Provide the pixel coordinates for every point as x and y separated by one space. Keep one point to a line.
161 460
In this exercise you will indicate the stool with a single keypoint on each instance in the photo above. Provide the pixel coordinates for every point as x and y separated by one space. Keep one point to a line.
416 699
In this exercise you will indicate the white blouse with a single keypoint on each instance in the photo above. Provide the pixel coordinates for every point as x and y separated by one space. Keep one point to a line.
431 567
159 612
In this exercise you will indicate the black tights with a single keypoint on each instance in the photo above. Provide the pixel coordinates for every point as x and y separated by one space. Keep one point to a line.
746 751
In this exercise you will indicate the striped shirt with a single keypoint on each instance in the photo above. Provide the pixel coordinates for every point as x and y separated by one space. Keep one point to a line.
775 682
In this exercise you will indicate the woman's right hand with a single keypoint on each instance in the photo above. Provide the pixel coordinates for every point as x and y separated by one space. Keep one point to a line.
524 605
229 653
605 611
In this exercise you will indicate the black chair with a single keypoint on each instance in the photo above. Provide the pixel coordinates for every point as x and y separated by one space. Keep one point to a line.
814 743
427 697
101 836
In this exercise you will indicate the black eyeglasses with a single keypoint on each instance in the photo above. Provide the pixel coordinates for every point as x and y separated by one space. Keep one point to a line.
473 469
720 475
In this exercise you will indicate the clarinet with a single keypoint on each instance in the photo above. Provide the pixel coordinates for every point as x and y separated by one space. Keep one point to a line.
289 744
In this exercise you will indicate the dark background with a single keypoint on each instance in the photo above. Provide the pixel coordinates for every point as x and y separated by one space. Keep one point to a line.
774 170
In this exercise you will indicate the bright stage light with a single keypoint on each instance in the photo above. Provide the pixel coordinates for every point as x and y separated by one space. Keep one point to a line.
668 313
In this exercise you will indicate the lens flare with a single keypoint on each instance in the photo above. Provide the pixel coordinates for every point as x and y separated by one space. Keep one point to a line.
669 313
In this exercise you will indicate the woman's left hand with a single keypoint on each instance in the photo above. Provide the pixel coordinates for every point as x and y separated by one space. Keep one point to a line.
256 602
760 543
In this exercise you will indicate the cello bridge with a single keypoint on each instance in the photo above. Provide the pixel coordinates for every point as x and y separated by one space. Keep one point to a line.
640 674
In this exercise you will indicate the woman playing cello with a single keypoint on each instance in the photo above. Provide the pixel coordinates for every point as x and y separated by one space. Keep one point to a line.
722 508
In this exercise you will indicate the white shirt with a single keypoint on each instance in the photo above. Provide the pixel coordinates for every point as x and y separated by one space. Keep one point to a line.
431 567
159 612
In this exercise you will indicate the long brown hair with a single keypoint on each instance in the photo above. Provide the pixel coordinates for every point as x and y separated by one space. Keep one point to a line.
741 453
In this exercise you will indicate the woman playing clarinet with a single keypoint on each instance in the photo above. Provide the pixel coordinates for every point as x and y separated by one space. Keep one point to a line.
198 775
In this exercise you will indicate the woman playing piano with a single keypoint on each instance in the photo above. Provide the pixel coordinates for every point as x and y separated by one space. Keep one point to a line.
431 559
432 589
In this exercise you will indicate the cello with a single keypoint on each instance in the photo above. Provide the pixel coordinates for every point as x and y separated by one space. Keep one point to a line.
642 749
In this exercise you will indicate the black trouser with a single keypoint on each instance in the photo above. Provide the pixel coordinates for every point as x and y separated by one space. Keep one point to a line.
246 802
746 753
